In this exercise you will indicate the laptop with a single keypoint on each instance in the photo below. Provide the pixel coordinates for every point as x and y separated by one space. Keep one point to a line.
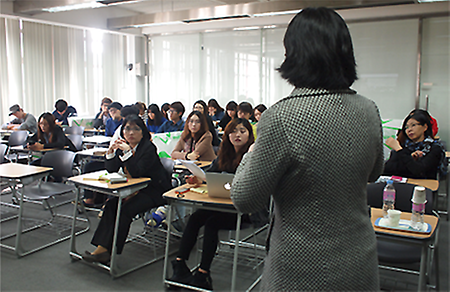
219 184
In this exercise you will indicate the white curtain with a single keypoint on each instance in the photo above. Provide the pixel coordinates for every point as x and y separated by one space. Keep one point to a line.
10 67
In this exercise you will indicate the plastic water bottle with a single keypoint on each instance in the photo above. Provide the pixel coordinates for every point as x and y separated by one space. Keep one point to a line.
388 198
157 217
418 207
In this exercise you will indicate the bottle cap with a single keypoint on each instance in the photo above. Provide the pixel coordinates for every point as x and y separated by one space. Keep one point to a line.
390 182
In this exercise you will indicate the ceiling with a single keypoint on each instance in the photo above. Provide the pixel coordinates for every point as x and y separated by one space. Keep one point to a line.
148 14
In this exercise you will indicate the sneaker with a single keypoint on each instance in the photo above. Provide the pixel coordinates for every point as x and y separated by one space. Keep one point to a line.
201 280
156 218
181 273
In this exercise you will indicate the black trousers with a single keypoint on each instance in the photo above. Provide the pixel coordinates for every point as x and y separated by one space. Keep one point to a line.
213 222
140 203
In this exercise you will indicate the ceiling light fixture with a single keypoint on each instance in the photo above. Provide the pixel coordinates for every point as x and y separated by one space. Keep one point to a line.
74 7
276 13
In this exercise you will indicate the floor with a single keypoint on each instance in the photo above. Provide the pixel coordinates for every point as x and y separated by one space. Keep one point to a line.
52 269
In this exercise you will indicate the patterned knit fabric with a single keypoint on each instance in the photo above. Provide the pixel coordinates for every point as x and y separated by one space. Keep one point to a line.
316 150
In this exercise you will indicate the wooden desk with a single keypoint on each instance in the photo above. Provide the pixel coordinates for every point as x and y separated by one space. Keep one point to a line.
30 152
93 132
121 190
93 154
432 184
205 202
15 174
200 164
97 140
405 237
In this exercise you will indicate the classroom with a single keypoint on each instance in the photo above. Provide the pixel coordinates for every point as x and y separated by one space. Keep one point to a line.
170 51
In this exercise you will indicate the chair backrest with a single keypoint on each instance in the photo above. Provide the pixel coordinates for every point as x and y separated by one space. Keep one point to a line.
168 164
18 138
77 141
3 148
403 196
74 130
61 161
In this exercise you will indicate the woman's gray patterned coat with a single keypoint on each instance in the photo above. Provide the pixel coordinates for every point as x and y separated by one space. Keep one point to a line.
316 150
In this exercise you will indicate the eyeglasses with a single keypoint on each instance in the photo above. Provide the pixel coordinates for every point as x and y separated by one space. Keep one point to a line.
171 111
132 129
411 126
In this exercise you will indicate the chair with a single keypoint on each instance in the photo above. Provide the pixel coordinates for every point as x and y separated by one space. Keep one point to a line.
392 253
3 149
75 130
17 138
62 163
77 140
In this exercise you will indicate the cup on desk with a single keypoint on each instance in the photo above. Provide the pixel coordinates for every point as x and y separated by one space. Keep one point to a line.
419 195
394 217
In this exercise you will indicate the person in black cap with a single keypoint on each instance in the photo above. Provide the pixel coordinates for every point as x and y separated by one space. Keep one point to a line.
63 111
23 121
116 119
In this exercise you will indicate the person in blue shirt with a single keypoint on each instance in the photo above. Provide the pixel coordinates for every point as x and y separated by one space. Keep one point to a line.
175 123
63 111
116 118
155 118
216 112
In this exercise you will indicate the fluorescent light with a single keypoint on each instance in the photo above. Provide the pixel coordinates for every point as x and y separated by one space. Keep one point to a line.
74 7
247 28
158 24
428 1
276 13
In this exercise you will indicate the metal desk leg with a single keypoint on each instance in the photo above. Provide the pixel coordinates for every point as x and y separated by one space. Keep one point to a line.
73 249
113 268
18 249
166 256
236 250
423 267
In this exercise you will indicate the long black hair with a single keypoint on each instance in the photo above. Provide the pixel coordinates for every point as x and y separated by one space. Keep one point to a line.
157 121
319 51
135 119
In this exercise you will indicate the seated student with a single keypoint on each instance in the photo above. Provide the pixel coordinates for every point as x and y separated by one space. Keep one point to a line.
155 118
259 109
174 123
237 139
63 111
195 141
200 106
48 136
230 114
92 199
134 155
417 154
23 121
116 119
245 111
102 116
216 112
164 108
142 110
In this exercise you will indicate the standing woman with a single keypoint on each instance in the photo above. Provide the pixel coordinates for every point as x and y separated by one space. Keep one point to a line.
216 112
237 139
49 135
195 141
419 155
155 118
134 155
316 168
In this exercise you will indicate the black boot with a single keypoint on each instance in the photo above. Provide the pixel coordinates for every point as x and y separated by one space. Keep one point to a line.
201 280
181 272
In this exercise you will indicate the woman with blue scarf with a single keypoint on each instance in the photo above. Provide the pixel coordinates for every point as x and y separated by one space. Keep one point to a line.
419 156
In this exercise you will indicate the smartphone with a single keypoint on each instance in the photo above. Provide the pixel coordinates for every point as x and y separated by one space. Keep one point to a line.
182 191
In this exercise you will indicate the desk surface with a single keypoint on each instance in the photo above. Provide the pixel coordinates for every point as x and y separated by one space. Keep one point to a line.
17 170
195 197
432 220
432 184
89 180
97 139
22 148
98 152
200 164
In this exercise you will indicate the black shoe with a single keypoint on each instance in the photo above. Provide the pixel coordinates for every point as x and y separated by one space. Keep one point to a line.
201 280
102 258
181 273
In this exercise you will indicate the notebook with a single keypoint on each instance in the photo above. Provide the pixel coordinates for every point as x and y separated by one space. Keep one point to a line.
219 184
195 169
